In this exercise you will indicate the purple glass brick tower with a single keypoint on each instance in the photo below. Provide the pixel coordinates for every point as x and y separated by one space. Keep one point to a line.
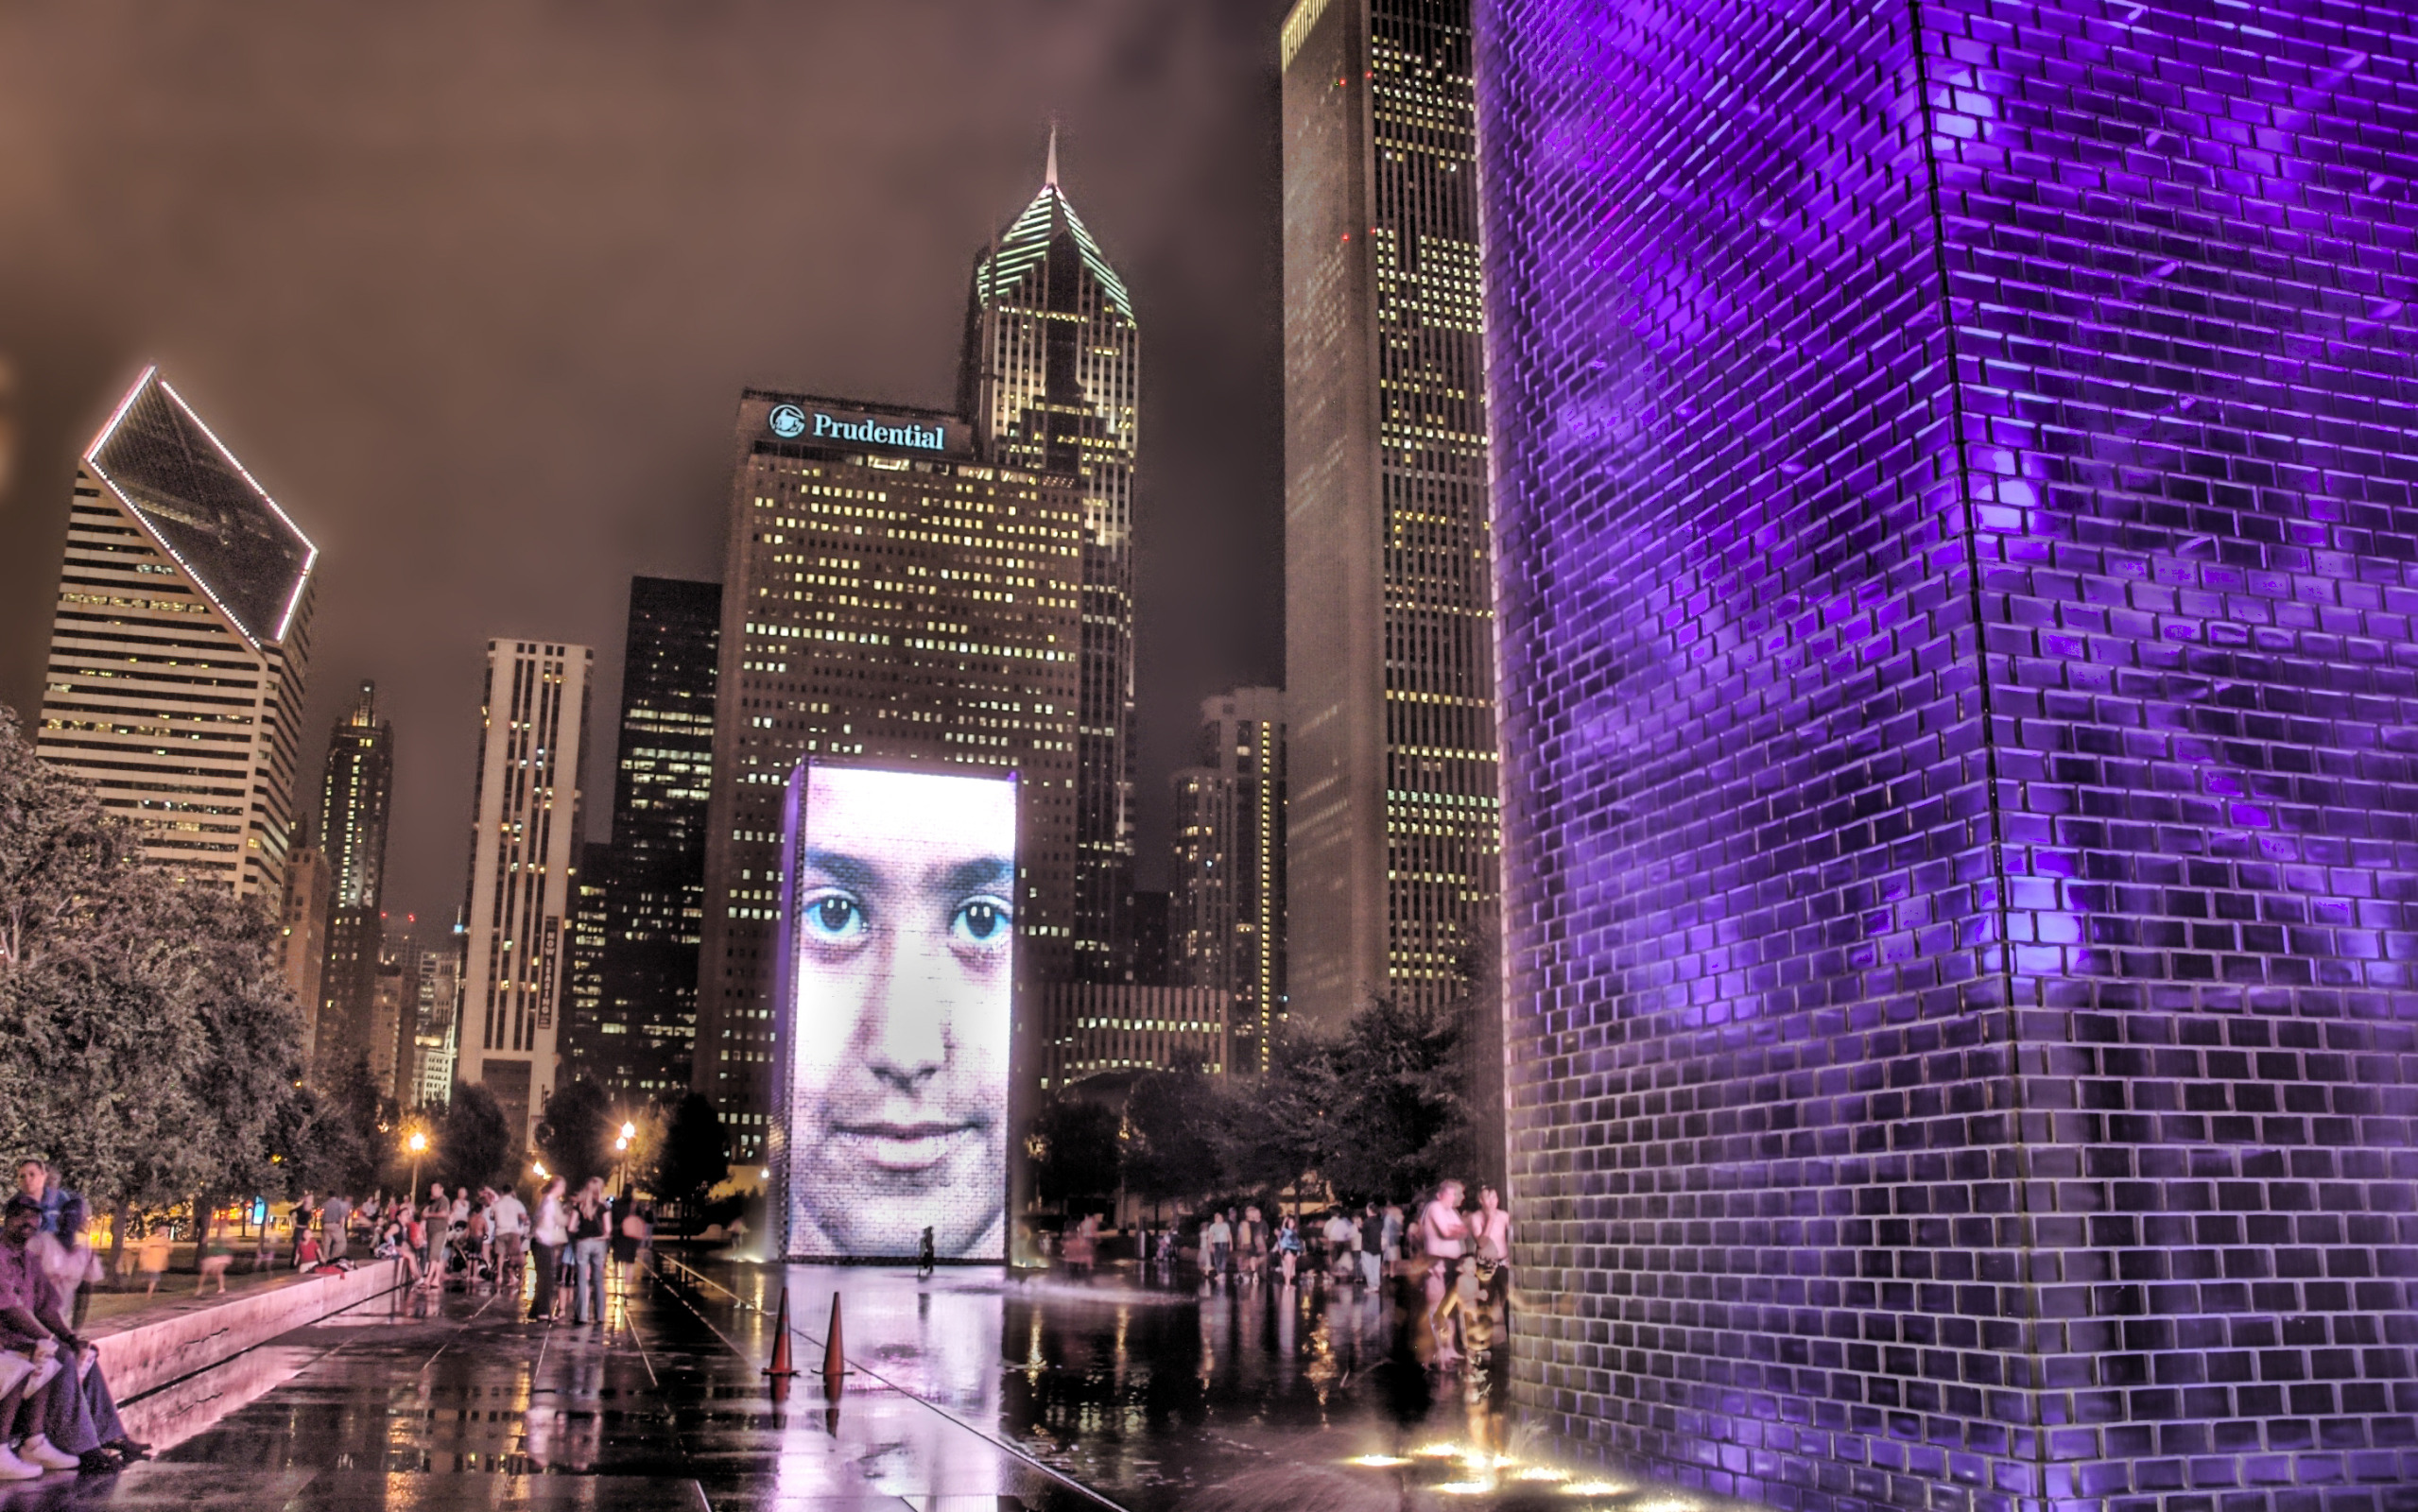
1957 520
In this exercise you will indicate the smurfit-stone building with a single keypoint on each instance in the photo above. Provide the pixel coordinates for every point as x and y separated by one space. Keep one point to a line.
1954 475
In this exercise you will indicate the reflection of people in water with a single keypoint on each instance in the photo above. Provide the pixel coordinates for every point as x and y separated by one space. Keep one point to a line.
904 941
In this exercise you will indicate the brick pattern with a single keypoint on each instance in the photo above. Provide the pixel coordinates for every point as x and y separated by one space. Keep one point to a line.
1961 1070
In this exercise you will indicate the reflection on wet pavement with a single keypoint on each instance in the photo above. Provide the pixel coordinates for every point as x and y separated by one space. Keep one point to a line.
969 1391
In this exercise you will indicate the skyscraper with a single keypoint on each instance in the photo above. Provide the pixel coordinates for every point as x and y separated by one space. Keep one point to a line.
180 645
663 785
302 935
524 865
889 599
356 789
1389 601
584 994
1051 380
428 1077
1957 570
1226 917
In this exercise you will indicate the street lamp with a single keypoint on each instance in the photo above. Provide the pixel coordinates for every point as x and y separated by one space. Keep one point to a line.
418 1145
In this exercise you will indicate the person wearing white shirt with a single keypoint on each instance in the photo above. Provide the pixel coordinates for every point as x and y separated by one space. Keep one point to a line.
551 1232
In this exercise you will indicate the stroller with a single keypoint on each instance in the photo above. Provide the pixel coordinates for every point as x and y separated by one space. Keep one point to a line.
468 1266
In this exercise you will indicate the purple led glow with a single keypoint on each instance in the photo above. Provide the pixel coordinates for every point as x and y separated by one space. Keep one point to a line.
1958 568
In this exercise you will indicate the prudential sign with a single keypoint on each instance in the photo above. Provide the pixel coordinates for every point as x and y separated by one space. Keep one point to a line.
789 422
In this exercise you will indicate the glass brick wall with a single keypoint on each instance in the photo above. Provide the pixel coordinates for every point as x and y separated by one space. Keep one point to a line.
1953 470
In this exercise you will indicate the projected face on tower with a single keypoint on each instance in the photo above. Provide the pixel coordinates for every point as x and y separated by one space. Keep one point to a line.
900 930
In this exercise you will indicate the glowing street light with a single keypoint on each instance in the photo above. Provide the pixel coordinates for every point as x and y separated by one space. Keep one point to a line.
418 1145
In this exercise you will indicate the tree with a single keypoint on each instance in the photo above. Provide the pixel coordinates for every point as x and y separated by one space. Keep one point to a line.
1077 1151
152 1037
1173 1118
695 1156
1397 1081
476 1145
575 1131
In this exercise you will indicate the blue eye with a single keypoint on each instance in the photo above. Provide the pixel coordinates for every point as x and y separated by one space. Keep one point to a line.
831 917
981 922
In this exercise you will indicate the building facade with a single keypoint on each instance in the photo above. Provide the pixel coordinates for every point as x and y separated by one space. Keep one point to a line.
662 791
356 788
1051 381
889 599
428 1077
524 868
180 646
302 936
1226 917
1395 822
1955 500
1092 1028
583 996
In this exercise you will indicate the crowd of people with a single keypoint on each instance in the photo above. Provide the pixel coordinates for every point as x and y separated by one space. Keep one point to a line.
1460 1256
489 1240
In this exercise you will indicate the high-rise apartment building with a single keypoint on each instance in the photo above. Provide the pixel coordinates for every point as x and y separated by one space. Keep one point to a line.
1394 827
428 1077
1051 381
356 788
180 644
1096 1028
302 935
1226 915
889 599
392 1005
524 868
1958 565
646 1026
584 994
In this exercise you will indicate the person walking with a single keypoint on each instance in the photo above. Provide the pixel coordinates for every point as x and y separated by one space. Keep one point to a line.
436 1219
511 1221
629 1232
1370 1242
588 1250
924 1257
1216 1244
1442 1238
549 1233
333 1214
1288 1247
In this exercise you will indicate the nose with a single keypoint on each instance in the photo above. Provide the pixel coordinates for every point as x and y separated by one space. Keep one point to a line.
908 1041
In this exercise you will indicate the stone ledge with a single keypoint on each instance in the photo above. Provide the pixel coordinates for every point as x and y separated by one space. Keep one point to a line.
150 1348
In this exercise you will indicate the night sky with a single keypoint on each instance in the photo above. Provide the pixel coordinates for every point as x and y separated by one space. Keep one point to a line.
472 289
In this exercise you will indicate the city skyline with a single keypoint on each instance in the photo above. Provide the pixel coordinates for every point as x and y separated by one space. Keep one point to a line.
613 430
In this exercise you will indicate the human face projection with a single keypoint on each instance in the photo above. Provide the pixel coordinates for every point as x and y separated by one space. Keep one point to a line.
900 928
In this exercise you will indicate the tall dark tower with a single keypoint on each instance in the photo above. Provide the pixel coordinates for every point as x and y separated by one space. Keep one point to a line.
645 1025
1392 816
354 796
1050 380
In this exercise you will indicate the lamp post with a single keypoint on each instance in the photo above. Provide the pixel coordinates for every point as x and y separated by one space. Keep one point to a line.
418 1145
621 1156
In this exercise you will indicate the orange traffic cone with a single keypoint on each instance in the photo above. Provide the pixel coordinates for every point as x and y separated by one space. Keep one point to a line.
780 1369
834 1359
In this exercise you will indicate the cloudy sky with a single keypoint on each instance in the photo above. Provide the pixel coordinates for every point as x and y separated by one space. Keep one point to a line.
472 288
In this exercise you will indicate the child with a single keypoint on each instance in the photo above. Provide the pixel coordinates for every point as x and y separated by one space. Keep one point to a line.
155 1257
306 1250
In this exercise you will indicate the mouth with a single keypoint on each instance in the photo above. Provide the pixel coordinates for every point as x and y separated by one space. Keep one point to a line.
905 1146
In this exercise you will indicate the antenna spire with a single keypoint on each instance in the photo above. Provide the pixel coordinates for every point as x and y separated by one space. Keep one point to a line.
1049 174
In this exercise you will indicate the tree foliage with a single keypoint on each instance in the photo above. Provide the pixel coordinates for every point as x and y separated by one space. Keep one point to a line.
153 1042
476 1145
1377 1110
1076 1151
575 1132
1172 1119
695 1154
